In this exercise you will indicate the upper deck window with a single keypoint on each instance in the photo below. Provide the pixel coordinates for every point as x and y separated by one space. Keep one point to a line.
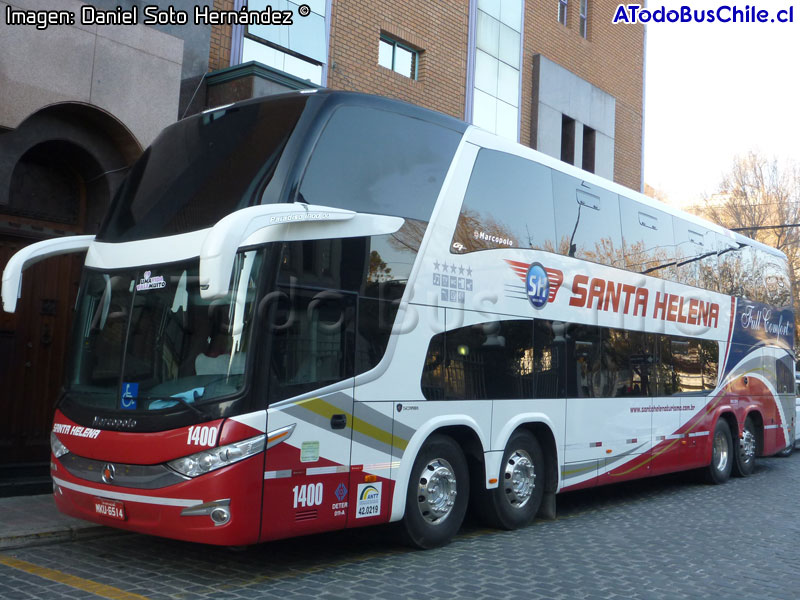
201 169
508 204
375 161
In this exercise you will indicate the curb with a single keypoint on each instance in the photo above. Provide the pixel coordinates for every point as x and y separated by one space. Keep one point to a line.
55 536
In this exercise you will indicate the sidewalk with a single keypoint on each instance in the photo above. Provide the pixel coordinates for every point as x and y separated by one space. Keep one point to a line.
34 520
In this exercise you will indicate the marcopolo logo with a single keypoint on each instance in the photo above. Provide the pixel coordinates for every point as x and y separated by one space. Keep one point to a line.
541 283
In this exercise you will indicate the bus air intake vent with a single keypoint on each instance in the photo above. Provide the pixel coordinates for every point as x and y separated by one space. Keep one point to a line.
305 515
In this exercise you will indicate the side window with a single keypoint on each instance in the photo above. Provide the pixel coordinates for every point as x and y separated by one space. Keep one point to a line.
492 360
785 371
776 279
695 255
312 340
379 162
337 297
587 221
508 204
647 238
549 378
640 365
694 365
732 277
608 363
375 321
584 361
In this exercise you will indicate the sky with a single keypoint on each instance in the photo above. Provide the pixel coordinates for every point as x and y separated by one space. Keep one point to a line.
714 91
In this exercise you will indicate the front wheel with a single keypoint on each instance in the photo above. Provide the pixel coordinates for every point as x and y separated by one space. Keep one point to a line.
438 489
518 496
719 471
745 450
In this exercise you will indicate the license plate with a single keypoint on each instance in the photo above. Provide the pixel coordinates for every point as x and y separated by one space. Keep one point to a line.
109 508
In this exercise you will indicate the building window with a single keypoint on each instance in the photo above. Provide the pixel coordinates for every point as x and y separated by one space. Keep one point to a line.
584 18
562 12
589 140
299 49
567 139
496 86
398 57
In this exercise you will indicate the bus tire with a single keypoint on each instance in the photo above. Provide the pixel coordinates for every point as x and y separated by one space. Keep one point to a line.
437 496
745 450
719 470
518 495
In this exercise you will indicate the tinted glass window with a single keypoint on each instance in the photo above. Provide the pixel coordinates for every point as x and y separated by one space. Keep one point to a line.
432 381
377 266
607 363
201 169
694 364
732 279
785 372
359 279
375 321
312 340
549 377
776 279
373 161
479 362
508 204
604 362
750 272
587 221
695 255
647 236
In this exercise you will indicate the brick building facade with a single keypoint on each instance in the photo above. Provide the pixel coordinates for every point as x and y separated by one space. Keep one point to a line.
592 56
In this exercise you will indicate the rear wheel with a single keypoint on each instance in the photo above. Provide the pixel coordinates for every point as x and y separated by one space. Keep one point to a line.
518 496
438 488
719 471
745 450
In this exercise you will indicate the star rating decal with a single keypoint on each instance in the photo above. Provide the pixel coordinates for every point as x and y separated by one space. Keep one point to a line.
453 288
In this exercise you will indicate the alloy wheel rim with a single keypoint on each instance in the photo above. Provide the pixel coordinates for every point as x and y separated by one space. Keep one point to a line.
436 491
519 478
720 452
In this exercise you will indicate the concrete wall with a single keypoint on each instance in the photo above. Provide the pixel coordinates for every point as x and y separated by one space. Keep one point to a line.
559 92
133 72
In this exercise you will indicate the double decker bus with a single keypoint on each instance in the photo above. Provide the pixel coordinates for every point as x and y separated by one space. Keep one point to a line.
324 310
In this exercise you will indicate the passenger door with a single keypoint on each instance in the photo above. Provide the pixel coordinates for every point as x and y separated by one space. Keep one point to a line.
306 475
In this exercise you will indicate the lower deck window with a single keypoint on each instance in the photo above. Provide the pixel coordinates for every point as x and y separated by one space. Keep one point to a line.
536 358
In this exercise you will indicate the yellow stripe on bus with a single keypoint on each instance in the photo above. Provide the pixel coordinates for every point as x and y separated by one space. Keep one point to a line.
327 410
85 585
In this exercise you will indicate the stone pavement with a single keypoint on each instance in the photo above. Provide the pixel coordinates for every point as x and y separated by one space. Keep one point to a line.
33 520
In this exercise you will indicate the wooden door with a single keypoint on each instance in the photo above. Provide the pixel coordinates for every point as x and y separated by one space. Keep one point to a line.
33 351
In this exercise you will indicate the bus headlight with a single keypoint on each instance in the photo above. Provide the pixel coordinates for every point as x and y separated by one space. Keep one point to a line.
216 458
57 447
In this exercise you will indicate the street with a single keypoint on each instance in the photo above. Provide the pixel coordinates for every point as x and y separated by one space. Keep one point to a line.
670 537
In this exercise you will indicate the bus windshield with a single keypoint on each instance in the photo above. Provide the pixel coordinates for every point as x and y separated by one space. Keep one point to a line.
145 340
201 169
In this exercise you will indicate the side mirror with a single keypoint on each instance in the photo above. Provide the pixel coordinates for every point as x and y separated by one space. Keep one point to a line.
29 255
258 225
